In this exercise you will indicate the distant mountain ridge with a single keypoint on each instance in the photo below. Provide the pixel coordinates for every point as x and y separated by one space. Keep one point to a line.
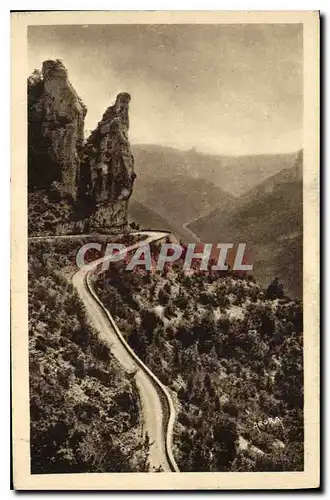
234 174
184 185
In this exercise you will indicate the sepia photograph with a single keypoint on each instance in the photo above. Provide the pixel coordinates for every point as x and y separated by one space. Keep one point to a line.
165 235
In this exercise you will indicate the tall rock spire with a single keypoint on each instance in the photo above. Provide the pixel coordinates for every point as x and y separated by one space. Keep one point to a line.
97 175
107 174
56 129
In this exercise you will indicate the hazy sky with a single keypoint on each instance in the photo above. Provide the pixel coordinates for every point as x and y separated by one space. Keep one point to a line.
219 88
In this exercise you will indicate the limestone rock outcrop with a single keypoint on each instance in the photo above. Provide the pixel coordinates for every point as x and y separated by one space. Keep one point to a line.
107 173
55 129
98 174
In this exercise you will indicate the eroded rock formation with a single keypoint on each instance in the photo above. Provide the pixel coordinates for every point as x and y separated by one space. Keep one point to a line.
98 175
107 173
56 129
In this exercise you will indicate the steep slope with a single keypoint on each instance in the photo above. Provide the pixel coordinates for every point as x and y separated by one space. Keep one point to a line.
231 357
269 218
84 406
290 175
148 218
145 217
180 198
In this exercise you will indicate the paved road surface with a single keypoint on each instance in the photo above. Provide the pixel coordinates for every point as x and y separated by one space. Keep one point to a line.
152 407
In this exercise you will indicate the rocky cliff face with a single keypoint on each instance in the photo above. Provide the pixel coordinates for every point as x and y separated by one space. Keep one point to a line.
56 129
98 175
107 173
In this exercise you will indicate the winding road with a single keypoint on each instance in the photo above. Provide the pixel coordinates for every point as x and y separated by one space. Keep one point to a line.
191 234
158 413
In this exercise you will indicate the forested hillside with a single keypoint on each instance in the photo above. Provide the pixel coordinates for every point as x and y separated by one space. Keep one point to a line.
232 358
84 408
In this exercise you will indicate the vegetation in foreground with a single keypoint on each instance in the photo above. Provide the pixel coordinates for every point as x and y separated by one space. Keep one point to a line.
232 358
84 408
